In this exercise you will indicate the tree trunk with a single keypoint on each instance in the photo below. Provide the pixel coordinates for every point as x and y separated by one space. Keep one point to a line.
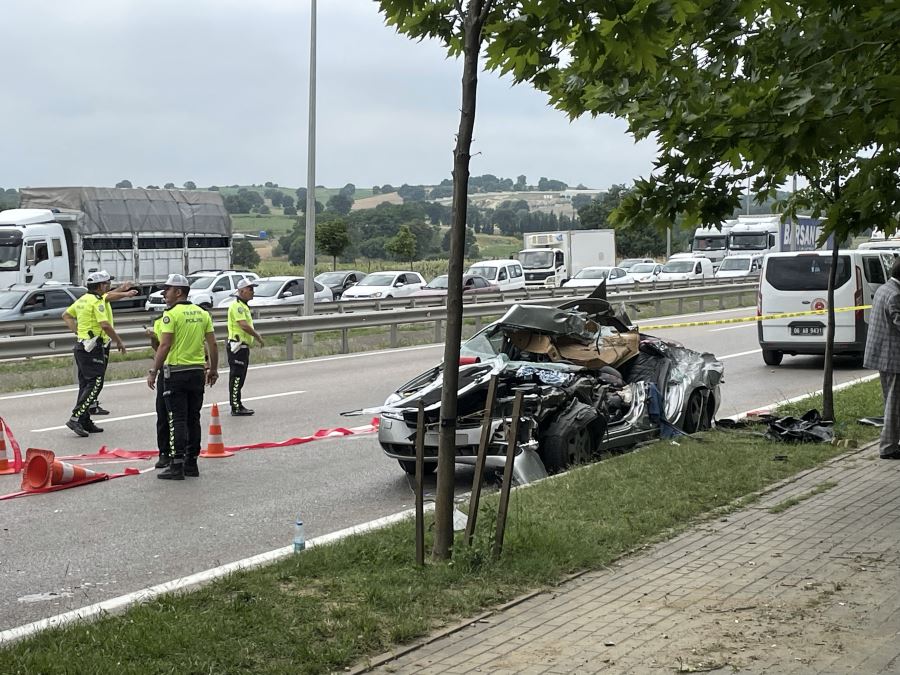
828 379
443 511
334 263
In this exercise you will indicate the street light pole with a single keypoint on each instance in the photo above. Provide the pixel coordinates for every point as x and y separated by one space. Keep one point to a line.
309 260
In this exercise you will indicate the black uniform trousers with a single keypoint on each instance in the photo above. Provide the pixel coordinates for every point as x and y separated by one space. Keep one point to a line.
91 371
237 374
162 418
184 398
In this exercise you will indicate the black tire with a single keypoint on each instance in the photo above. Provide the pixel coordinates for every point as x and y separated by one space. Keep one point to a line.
571 439
696 415
409 467
772 357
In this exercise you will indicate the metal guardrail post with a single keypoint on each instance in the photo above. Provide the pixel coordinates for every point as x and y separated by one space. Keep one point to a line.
701 304
345 340
393 335
438 331
657 306
289 347
680 305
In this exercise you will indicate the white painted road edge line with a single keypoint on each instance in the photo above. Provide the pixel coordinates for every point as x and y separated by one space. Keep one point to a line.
124 601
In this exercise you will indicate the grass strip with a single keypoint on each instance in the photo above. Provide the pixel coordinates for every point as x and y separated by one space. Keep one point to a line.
781 507
334 605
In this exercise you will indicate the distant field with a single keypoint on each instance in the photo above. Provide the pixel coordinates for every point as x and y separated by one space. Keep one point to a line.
322 194
497 246
274 224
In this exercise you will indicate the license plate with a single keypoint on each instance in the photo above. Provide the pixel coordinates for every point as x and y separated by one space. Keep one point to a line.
807 330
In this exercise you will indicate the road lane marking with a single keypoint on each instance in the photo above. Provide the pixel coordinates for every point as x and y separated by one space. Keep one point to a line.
734 356
152 414
744 325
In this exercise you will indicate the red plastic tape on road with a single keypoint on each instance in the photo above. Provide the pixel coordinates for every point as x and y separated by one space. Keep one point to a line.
119 453
17 452
53 488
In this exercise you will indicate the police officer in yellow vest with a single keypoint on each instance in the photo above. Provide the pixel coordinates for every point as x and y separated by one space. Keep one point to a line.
90 318
181 356
162 415
241 336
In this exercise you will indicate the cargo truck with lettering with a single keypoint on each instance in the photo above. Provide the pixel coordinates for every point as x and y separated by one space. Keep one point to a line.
64 234
551 258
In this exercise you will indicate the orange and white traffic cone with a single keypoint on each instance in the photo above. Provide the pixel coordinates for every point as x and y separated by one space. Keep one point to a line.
215 448
6 466
42 470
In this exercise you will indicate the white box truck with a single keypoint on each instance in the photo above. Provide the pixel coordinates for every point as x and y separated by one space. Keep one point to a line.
64 234
551 258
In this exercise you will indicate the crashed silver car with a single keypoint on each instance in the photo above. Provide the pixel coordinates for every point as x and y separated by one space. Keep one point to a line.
592 383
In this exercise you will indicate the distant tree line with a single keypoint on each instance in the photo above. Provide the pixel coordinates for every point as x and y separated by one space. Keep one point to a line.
9 198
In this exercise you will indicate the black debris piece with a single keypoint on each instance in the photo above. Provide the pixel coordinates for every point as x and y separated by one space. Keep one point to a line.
810 428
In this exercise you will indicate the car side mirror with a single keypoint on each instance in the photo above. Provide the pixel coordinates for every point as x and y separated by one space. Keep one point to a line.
287 294
399 284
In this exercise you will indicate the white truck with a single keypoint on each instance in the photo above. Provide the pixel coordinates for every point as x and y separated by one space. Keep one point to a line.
767 234
551 258
712 242
64 234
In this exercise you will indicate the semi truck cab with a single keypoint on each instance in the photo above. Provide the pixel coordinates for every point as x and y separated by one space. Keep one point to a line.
32 248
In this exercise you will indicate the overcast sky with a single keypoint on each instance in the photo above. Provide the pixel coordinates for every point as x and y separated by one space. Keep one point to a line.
216 91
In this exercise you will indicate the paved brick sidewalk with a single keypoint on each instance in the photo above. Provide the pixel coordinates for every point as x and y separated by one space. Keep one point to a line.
813 589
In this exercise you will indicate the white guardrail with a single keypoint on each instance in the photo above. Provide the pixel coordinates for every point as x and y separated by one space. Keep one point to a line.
346 316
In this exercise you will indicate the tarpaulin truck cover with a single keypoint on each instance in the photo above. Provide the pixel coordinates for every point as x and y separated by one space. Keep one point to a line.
128 210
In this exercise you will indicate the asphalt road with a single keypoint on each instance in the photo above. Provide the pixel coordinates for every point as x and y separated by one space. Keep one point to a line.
68 549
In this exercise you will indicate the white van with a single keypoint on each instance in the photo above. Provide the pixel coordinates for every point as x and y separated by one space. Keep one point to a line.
740 266
505 275
686 268
798 282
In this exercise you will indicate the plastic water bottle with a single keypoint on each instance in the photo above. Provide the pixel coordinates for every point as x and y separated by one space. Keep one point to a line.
299 539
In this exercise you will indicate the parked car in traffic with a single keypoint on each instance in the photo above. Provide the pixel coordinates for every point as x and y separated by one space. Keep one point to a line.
591 277
471 284
628 263
504 275
340 280
686 268
740 265
591 383
645 272
208 288
29 303
282 291
390 284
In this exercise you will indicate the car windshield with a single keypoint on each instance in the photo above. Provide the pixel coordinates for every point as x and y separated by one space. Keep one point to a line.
10 252
735 265
751 241
377 280
202 282
642 268
330 278
441 282
535 260
487 343
486 272
268 289
678 266
592 273
629 262
9 299
710 243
